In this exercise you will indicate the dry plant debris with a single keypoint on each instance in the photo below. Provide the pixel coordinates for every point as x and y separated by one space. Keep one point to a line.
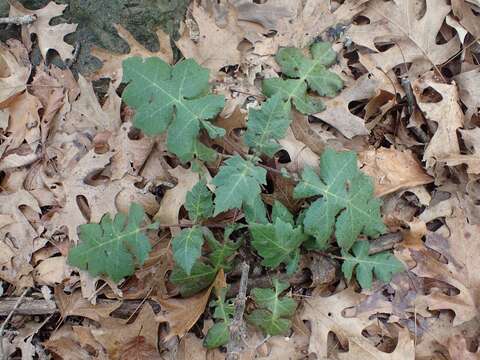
330 147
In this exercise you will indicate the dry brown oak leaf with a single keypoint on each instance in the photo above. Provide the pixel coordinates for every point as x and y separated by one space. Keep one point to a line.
393 169
443 107
210 45
411 30
326 314
459 242
49 36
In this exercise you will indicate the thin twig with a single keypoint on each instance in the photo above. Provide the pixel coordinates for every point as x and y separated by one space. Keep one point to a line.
19 20
237 328
5 322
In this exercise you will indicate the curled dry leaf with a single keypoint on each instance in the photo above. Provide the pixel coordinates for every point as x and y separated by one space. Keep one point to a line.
393 169
52 271
24 122
14 72
337 112
49 36
182 314
112 63
205 48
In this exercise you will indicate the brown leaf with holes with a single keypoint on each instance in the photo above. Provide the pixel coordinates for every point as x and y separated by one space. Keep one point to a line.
48 36
328 314
112 62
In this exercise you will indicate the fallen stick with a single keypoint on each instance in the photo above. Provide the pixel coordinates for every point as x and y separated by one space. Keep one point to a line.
237 328
18 20
30 306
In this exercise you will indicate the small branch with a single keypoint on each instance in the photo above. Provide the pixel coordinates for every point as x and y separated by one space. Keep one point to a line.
19 20
237 328
5 322
31 306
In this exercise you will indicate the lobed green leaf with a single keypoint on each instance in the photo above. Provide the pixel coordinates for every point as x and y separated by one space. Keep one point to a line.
113 247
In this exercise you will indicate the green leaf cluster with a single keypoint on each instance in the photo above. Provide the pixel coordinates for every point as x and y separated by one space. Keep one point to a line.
345 201
384 265
267 125
304 73
274 312
219 333
175 99
278 242
114 247
202 273
239 184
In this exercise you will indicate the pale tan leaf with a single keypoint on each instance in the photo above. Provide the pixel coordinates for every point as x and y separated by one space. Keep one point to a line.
469 90
87 114
413 33
446 113
49 36
174 198
52 271
392 170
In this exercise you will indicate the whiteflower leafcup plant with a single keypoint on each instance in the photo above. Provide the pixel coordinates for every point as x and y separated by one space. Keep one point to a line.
339 199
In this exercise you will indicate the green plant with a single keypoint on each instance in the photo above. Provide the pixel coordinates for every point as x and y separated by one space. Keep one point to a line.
278 242
176 99
346 203
303 73
274 313
113 247
203 272
384 265
173 99
219 333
